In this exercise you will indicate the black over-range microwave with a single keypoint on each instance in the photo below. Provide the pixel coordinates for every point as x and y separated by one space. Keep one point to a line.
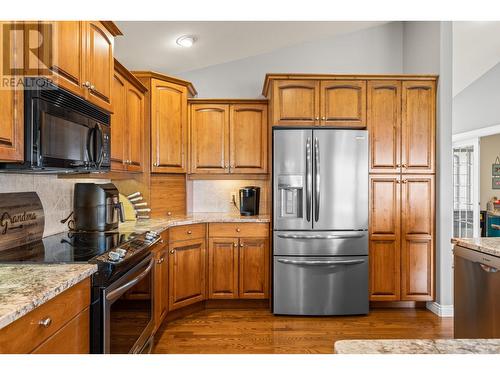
62 132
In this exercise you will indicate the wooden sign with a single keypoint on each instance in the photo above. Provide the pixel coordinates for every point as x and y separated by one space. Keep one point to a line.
21 219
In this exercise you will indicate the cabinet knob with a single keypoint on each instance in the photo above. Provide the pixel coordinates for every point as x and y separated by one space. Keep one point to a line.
155 164
323 118
398 181
226 165
398 165
317 118
241 244
161 260
235 244
405 181
45 322
172 251
404 165
189 232
161 241
169 213
86 84
92 87
238 230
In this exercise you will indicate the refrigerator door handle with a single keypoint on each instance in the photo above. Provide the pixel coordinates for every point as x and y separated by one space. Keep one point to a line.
315 237
308 179
321 262
317 180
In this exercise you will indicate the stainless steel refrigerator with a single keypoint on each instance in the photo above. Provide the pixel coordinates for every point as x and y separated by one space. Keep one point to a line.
320 221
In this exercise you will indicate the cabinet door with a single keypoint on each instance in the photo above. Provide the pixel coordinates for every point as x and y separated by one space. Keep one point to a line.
295 102
384 126
385 224
254 268
67 55
248 138
186 273
100 64
417 253
343 103
209 138
223 268
12 107
160 285
168 127
135 125
418 127
119 133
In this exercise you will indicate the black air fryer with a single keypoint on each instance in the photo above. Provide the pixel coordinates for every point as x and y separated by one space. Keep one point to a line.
249 200
96 207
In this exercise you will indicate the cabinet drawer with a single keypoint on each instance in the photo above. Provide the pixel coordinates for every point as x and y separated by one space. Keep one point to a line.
73 338
186 232
238 230
26 333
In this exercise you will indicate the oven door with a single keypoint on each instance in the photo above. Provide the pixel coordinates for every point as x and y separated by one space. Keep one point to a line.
128 310
66 139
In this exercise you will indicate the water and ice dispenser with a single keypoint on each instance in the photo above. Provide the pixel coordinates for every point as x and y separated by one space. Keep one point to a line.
291 193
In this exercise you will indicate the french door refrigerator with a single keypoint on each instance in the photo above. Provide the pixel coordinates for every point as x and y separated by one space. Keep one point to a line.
320 221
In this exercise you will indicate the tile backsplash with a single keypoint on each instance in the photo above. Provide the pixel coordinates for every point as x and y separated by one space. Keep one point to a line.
56 195
215 195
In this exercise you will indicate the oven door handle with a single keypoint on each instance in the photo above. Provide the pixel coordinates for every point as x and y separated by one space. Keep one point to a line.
117 292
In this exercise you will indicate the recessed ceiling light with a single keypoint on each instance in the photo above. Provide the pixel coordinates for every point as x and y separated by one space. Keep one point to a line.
186 41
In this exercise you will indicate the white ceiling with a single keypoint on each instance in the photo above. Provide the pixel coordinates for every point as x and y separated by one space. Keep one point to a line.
150 45
476 49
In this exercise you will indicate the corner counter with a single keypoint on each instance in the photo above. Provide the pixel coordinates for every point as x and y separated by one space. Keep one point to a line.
486 245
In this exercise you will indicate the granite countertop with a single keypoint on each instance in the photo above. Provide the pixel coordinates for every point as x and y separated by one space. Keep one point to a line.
24 287
449 346
160 224
487 245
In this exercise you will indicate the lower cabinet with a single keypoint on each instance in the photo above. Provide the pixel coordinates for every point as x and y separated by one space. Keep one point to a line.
238 267
187 272
160 275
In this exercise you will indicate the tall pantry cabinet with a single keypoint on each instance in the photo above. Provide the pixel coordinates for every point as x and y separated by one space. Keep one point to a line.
401 124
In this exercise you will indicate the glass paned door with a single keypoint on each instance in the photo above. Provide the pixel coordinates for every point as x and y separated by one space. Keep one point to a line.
465 215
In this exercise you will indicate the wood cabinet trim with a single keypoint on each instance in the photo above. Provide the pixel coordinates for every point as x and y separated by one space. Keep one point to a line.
162 77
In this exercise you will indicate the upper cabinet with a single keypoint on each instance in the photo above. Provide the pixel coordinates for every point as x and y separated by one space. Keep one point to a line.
402 126
418 127
295 102
81 56
343 103
317 102
228 136
167 115
127 121
12 110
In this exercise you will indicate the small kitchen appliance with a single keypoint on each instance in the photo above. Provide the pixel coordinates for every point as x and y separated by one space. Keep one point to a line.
249 200
96 207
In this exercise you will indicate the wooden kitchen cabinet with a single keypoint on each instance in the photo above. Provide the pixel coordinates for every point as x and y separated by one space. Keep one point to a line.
384 126
127 121
167 119
223 260
248 138
295 102
65 328
209 138
12 112
417 239
228 136
418 128
81 55
187 272
238 261
160 275
385 236
343 103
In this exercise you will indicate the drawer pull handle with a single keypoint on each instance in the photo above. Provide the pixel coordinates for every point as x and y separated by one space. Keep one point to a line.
319 237
45 322
321 263
189 232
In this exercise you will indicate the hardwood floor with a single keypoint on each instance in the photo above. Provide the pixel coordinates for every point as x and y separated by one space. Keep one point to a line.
258 331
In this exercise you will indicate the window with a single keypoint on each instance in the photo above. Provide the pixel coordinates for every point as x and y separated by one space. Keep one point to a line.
463 194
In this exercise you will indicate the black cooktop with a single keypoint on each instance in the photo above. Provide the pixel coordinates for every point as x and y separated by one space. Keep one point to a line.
68 247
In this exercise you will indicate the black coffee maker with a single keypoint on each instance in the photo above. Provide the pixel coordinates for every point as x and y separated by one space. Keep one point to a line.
96 207
249 200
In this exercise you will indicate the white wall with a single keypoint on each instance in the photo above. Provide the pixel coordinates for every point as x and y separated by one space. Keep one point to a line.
489 150
427 48
478 105
374 50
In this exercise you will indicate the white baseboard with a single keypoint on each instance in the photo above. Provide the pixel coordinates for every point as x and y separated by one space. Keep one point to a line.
440 310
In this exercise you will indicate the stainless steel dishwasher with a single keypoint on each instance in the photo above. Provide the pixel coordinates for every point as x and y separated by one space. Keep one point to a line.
476 294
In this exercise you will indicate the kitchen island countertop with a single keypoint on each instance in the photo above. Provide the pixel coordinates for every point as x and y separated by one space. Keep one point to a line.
160 224
24 287
439 346
487 245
